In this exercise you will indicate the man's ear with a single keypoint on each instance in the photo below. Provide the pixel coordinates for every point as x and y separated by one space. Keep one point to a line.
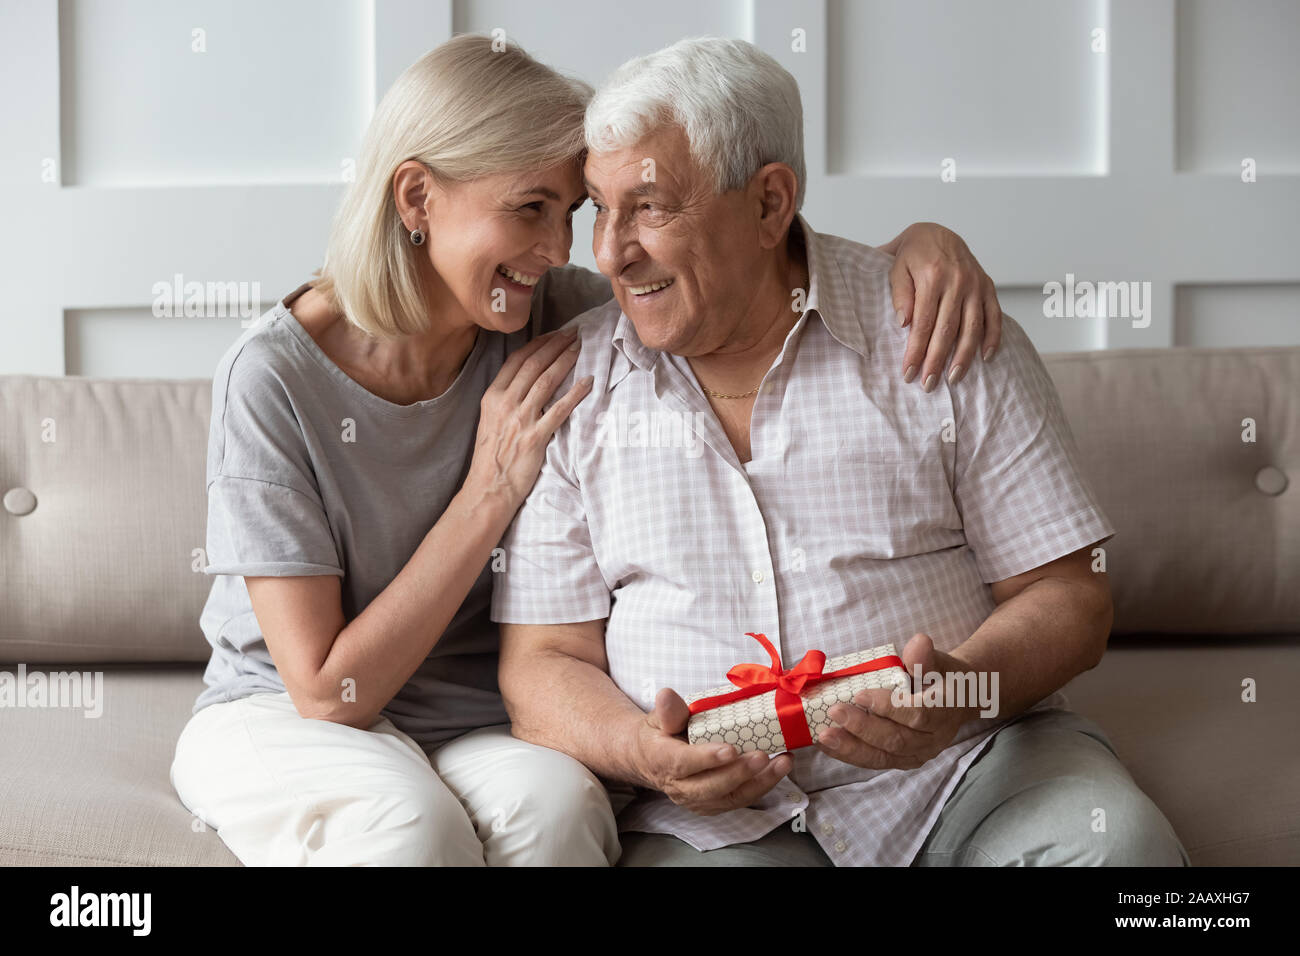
413 191
774 187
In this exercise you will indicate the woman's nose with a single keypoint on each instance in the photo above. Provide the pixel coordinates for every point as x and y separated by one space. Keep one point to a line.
557 244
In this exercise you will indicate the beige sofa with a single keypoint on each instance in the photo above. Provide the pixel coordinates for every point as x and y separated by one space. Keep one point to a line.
99 576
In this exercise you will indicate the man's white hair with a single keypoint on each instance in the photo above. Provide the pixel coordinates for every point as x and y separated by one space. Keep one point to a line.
739 108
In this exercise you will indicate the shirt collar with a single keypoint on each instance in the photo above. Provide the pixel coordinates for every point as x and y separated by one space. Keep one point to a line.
828 292
629 351
827 296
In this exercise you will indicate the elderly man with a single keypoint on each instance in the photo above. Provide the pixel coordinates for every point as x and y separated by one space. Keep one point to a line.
811 496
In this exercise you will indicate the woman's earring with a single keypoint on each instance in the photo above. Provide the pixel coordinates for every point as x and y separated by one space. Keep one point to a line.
417 237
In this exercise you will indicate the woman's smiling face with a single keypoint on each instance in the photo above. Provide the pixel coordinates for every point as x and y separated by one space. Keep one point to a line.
491 239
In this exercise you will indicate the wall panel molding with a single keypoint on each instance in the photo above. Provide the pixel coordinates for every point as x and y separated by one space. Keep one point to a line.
1154 195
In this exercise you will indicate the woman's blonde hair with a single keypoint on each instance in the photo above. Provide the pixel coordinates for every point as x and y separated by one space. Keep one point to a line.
472 107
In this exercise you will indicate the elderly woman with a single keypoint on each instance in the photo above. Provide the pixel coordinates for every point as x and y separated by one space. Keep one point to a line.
371 439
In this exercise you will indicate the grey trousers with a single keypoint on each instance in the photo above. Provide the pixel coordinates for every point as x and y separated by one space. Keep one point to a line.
1030 799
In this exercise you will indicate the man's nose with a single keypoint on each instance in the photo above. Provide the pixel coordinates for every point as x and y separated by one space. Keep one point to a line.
611 245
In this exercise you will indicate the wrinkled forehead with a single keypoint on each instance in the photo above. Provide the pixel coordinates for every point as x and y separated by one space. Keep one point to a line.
662 158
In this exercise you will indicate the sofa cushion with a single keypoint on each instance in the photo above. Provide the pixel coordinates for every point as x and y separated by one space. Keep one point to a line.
1224 772
85 791
103 568
1204 542
96 791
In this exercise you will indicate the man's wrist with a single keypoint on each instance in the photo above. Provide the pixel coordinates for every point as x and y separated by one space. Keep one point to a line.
970 672
636 763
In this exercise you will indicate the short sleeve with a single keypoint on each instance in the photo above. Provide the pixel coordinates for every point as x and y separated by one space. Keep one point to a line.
551 575
1017 482
267 530
265 513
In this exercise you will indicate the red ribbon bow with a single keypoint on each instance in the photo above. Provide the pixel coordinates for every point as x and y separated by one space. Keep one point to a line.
755 679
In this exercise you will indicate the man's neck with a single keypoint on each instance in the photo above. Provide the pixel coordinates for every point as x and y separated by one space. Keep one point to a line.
738 365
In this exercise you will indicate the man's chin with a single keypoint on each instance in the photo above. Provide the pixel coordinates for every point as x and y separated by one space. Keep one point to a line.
660 335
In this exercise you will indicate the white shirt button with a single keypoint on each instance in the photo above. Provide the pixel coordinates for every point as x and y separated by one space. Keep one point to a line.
758 577
827 828
839 846
767 389
792 797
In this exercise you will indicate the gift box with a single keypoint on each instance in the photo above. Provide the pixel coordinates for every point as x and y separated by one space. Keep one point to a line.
774 710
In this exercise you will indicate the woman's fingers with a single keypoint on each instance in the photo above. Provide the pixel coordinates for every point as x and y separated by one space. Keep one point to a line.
554 416
900 280
541 365
992 320
537 363
510 367
548 381
922 322
945 334
972 329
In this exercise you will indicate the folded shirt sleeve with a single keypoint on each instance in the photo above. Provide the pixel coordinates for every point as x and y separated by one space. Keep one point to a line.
1023 497
263 529
265 512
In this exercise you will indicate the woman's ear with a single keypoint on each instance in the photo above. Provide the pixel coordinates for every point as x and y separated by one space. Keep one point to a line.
413 191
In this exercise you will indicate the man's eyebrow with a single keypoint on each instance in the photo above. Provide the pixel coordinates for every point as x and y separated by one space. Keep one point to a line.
641 189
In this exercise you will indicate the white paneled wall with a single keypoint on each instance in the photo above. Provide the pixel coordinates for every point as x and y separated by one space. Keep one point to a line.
1230 313
210 140
1238 85
238 92
933 78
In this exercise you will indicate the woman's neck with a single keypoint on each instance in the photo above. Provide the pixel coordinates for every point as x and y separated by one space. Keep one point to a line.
402 370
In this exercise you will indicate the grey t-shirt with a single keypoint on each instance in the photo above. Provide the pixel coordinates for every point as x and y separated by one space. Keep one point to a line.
309 473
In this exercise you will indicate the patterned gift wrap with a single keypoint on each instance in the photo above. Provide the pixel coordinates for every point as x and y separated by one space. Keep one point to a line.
753 723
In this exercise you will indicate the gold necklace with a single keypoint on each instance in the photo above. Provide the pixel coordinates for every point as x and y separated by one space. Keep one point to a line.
709 391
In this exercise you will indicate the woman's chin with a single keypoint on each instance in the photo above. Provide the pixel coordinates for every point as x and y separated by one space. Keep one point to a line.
505 322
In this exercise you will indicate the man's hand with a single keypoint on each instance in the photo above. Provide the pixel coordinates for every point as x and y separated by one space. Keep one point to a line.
942 291
705 778
875 734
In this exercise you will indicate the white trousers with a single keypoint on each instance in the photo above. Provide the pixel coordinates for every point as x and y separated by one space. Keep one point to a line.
283 790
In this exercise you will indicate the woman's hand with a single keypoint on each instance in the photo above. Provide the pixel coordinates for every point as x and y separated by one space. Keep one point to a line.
515 426
941 290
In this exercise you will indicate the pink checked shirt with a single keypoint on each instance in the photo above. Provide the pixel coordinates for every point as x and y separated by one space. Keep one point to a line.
869 511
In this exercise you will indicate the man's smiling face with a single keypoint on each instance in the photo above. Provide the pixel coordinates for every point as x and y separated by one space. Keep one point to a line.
676 252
